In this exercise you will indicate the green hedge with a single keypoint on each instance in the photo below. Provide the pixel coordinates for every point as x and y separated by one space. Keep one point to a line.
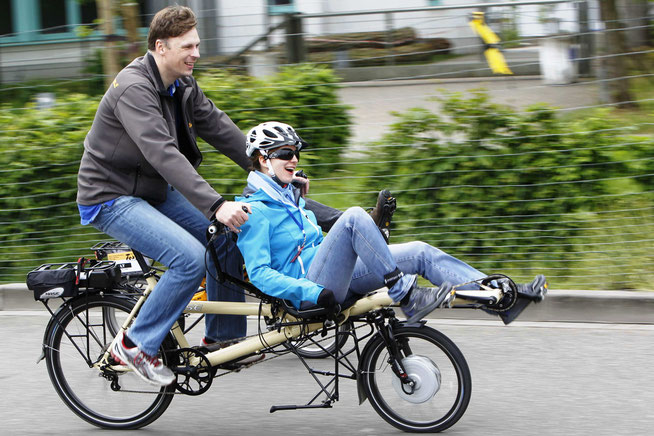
526 192
40 152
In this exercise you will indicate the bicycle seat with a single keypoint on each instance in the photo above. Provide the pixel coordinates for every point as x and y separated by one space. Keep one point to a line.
317 312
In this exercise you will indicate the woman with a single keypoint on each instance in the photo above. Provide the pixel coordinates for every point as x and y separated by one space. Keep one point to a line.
287 257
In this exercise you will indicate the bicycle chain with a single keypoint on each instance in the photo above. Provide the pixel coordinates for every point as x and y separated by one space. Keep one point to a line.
229 371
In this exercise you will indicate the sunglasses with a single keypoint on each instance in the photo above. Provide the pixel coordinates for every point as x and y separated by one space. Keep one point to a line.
285 154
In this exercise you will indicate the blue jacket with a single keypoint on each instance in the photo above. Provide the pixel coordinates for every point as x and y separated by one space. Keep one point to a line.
270 239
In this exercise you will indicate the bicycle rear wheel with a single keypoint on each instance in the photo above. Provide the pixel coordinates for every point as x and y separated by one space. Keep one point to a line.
71 353
443 383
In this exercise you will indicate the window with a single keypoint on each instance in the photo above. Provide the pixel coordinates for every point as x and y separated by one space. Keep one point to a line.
29 21
279 7
6 19
53 16
88 12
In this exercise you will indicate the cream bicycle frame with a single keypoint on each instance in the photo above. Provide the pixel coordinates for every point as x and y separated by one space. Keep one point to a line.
255 344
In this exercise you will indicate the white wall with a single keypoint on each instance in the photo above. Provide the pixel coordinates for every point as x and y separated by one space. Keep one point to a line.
242 21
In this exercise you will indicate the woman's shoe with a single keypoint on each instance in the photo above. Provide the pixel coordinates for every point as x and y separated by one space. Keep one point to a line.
421 301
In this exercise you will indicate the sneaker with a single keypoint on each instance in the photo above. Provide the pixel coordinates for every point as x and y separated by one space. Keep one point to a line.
534 290
149 368
527 292
422 301
210 346
382 213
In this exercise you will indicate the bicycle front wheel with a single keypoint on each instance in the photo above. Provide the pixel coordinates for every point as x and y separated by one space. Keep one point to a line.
77 340
442 382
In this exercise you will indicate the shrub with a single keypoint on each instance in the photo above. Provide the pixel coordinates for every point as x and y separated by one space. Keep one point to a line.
40 152
508 190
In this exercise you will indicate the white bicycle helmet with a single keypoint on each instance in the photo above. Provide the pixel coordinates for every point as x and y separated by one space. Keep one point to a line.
269 135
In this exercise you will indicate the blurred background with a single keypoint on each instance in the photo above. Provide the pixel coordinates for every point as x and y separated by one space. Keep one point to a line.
516 135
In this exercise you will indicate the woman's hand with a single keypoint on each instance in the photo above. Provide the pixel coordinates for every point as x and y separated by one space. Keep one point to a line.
233 214
327 300
301 181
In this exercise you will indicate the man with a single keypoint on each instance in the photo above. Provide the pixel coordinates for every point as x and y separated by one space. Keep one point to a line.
138 183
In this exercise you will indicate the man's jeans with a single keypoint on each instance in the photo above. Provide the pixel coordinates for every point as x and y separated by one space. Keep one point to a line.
173 233
353 258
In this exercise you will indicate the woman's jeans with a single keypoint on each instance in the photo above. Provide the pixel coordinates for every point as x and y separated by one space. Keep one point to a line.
173 233
354 258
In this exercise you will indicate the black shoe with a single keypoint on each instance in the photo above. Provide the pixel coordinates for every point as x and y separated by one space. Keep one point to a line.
527 292
422 301
382 213
534 290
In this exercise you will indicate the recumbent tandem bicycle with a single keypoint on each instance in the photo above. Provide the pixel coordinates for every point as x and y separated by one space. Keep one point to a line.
414 377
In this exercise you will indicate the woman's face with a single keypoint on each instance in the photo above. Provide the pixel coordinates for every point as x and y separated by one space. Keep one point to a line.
278 159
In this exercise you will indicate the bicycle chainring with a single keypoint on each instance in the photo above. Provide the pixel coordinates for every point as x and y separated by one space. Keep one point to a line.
193 370
509 288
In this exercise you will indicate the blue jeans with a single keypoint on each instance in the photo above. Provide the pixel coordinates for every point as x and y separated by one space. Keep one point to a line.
353 258
173 233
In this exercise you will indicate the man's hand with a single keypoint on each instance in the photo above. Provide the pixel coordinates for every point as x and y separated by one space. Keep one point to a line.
301 181
233 214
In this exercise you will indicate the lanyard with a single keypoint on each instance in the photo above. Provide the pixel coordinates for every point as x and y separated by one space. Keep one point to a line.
300 224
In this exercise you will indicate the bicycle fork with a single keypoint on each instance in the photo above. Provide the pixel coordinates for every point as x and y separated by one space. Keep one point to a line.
395 356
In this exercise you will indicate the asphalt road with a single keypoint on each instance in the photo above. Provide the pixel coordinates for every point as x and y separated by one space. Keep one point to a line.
528 379
371 103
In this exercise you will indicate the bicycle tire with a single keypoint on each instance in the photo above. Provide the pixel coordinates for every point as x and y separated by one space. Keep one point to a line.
80 385
426 352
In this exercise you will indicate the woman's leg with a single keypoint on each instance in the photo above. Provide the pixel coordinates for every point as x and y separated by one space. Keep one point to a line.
417 258
136 223
355 237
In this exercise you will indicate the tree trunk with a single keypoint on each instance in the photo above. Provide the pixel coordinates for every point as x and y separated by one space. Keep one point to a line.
109 54
635 14
614 43
129 11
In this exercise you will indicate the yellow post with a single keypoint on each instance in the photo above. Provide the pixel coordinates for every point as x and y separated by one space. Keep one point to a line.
494 57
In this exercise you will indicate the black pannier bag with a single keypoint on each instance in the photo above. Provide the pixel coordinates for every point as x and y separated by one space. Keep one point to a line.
66 279
101 275
51 283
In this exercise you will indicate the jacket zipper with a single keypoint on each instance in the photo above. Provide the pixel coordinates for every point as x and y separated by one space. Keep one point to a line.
299 259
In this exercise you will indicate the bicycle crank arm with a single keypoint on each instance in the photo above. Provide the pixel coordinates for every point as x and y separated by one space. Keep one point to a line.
489 296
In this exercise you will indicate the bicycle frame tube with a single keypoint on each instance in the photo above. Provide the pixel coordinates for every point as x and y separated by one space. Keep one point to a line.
255 344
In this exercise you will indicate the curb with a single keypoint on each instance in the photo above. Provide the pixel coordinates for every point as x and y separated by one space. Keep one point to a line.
609 307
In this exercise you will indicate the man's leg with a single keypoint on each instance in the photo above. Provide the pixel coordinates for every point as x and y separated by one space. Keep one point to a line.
217 327
139 225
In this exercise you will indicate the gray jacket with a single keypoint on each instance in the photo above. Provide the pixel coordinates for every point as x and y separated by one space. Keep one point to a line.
132 147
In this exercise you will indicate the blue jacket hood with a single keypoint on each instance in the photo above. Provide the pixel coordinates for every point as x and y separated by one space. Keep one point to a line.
269 242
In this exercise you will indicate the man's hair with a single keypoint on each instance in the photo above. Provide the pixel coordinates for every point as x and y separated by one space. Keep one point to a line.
170 22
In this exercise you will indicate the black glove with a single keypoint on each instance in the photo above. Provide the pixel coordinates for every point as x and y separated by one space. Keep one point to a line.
326 299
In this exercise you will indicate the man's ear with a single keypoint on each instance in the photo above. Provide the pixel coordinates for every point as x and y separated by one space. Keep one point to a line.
159 46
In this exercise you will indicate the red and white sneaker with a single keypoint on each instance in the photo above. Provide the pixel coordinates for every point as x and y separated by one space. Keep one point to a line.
149 368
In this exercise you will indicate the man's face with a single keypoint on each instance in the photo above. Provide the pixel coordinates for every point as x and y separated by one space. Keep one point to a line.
179 54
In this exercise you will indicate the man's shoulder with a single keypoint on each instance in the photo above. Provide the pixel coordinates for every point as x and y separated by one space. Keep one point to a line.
131 81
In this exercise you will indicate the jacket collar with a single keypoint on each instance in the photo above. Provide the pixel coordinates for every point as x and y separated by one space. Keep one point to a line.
153 69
